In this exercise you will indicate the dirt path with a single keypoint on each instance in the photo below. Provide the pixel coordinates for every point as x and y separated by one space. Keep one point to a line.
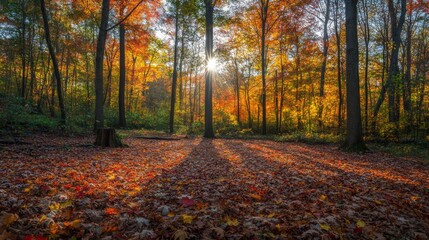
218 188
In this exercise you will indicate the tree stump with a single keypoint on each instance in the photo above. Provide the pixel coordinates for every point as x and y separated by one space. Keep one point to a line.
106 137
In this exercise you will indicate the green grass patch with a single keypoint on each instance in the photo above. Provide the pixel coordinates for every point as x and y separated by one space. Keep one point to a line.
418 149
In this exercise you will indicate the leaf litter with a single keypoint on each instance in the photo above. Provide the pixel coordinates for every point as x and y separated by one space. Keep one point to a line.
61 187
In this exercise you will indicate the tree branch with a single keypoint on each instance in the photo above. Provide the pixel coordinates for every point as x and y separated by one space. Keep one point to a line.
125 18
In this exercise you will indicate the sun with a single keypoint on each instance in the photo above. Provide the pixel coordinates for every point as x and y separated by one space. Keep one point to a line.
212 64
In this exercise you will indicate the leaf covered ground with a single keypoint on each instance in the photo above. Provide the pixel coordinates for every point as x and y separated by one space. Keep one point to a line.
58 187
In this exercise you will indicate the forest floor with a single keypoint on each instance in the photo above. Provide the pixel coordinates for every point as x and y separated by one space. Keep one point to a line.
63 187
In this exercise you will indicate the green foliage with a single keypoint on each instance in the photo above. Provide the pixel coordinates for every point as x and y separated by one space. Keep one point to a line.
310 137
416 149
17 115
196 128
225 123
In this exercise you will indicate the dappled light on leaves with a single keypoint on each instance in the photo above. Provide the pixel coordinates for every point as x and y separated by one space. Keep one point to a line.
213 188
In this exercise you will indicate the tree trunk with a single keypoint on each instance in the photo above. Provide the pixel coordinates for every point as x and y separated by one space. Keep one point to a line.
392 81
323 69
101 41
237 90
174 83
380 100
339 78
354 137
366 29
281 97
121 100
407 77
182 55
276 100
23 60
106 137
264 13
54 61
208 111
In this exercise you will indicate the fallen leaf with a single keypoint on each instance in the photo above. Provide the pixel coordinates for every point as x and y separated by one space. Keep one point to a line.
187 218
180 235
187 202
255 196
414 198
73 224
325 226
231 221
360 224
8 219
111 211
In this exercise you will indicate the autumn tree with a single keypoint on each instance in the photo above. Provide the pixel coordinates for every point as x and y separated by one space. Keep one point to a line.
54 61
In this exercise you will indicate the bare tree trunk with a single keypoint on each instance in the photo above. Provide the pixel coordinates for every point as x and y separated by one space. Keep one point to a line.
208 111
182 55
32 64
54 62
380 100
237 90
407 78
174 83
392 81
23 60
101 41
366 33
339 75
276 100
354 137
264 14
323 69
281 97
121 100
132 83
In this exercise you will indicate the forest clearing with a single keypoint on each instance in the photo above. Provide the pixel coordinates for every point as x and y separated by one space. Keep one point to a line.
196 188
214 119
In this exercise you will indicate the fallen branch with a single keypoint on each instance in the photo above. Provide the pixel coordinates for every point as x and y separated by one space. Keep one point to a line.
158 138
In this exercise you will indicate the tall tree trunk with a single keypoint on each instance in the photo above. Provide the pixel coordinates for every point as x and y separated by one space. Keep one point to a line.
174 83
276 100
182 55
407 77
385 33
54 62
366 33
323 69
208 111
131 100
354 137
121 100
392 81
339 75
23 60
32 64
99 56
191 113
264 14
281 96
237 90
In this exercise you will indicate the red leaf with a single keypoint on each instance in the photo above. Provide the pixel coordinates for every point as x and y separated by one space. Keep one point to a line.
112 211
187 202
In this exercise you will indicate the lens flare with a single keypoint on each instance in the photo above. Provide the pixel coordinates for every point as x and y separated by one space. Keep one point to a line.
212 64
